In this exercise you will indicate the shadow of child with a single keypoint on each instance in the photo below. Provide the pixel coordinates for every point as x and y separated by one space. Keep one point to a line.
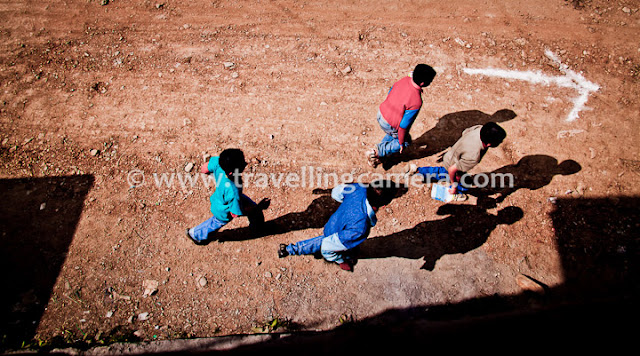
465 228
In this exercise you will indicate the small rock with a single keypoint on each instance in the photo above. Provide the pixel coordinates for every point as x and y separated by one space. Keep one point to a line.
271 137
228 65
626 10
143 316
520 41
568 133
104 2
593 153
94 152
150 287
347 70
43 206
235 75
267 274
138 333
202 282
188 167
109 314
4 142
460 41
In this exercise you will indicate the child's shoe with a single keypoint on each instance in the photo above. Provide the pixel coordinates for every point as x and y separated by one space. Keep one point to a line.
282 251
188 235
459 197
347 266
372 158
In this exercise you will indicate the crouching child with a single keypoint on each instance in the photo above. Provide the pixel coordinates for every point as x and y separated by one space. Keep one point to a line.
349 226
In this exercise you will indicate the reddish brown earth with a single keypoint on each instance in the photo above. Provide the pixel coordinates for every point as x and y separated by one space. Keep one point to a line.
145 85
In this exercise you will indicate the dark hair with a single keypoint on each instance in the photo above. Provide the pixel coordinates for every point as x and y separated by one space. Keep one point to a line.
491 133
423 75
381 192
232 160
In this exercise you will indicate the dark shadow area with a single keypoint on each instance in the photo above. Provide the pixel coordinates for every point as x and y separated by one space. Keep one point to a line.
315 216
38 218
596 306
445 134
599 244
465 228
531 172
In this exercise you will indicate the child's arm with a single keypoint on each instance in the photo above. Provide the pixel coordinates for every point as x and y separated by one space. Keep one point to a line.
408 118
453 178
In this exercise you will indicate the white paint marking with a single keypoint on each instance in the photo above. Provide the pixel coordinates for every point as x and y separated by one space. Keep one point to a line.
570 79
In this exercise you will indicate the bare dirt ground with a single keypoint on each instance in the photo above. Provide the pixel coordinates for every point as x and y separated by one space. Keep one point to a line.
92 91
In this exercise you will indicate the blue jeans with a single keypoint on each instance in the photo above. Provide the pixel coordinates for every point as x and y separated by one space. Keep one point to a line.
329 246
202 232
390 143
436 174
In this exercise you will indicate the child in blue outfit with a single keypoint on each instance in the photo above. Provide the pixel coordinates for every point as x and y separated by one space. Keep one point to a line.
227 201
349 226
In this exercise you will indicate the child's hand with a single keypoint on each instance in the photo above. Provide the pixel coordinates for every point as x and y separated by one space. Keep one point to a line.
204 169
264 203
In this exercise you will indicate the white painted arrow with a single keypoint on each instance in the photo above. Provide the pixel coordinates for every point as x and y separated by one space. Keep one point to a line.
570 79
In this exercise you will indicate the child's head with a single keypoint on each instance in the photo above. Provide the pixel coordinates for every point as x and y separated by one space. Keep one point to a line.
232 161
423 75
381 192
492 134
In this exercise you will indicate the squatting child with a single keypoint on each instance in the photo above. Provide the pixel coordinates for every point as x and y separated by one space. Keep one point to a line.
349 226
398 111
465 154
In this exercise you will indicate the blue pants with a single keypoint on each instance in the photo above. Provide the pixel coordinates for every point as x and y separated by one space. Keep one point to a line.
203 231
390 143
329 246
436 174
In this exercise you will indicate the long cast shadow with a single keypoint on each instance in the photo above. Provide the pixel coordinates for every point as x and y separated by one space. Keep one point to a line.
446 132
315 216
467 227
531 172
38 218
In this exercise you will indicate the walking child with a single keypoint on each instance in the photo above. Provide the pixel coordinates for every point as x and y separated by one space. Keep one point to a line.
227 201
